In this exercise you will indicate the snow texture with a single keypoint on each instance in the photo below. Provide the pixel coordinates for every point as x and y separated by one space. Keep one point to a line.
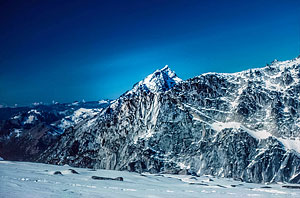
78 116
24 179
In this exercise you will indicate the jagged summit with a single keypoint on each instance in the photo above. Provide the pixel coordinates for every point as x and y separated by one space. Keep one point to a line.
159 81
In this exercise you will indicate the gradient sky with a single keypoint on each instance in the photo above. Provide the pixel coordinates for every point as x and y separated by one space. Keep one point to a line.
92 50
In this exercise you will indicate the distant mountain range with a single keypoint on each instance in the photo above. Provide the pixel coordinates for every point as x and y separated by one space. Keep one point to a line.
25 132
242 125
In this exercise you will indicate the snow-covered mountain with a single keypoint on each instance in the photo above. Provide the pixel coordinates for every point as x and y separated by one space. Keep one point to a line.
242 125
27 131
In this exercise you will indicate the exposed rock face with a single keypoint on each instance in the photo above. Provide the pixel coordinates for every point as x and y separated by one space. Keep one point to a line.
242 125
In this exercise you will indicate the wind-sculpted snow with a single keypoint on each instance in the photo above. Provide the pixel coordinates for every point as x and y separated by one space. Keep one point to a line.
242 125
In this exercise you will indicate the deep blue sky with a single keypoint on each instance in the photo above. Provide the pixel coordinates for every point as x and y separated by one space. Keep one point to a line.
74 50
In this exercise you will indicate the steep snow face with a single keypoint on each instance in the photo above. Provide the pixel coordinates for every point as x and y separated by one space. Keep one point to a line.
161 80
243 125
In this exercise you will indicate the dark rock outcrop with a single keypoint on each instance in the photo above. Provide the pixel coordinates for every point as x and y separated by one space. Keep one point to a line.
107 178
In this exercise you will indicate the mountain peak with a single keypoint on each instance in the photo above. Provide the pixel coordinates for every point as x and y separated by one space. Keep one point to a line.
165 67
159 81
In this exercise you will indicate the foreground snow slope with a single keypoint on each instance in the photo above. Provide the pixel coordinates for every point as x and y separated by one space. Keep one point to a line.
24 179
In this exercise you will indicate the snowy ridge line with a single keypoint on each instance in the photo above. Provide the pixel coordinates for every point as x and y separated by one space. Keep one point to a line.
280 64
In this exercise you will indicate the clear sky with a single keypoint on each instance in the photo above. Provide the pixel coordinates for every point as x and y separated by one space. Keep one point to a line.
92 50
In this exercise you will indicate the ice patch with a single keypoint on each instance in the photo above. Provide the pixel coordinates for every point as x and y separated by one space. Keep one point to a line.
219 126
291 144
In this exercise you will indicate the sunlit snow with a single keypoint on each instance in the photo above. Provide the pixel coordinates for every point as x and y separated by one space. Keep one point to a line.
24 179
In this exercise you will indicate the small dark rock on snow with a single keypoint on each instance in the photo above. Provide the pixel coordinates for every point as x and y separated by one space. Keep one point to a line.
73 171
266 187
292 187
57 173
107 178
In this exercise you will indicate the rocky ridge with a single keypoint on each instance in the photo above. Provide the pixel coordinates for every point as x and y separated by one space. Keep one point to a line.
242 125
